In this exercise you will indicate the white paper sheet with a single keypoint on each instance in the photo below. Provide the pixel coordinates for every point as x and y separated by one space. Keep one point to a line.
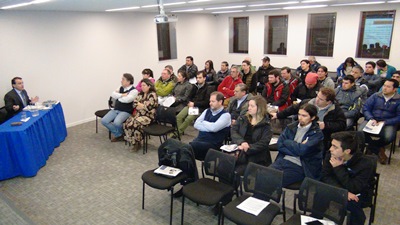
253 205
306 219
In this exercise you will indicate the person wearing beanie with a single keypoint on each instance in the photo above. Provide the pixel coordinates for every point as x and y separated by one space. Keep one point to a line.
306 90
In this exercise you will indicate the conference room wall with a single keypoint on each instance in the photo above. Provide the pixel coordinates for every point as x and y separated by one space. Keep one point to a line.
78 58
346 36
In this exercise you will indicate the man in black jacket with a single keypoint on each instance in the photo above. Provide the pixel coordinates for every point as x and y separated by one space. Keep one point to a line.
199 97
346 167
16 99
331 118
189 67
262 73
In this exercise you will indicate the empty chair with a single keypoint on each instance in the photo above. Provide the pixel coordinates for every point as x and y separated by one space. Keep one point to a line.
263 183
373 189
209 191
101 113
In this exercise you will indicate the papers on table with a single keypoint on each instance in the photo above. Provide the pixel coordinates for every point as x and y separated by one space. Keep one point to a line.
193 111
307 220
229 148
26 119
273 141
253 205
168 171
373 129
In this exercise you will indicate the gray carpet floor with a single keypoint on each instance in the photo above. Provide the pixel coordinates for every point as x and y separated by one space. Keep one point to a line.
89 180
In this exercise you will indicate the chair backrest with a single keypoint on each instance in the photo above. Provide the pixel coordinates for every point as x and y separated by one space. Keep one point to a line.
221 165
360 137
264 182
111 102
373 184
166 115
323 200
3 114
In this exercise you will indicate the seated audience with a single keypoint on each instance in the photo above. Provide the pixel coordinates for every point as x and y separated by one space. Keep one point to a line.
211 75
252 133
229 83
165 84
314 65
199 97
350 98
360 81
181 91
276 92
16 99
395 76
224 72
308 89
147 74
123 108
145 105
382 108
346 167
345 68
323 78
385 70
305 69
249 77
331 118
239 104
300 148
189 67
171 69
374 82
289 79
213 126
262 73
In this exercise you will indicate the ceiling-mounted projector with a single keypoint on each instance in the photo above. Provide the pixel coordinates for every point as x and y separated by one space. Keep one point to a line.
163 18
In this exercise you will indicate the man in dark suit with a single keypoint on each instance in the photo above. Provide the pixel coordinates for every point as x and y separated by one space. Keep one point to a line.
16 99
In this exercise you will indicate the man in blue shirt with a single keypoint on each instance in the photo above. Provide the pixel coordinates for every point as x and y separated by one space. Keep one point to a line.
213 125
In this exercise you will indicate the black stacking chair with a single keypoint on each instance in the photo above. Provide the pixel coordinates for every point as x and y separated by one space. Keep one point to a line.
101 113
265 184
3 114
320 200
166 183
209 191
164 125
371 202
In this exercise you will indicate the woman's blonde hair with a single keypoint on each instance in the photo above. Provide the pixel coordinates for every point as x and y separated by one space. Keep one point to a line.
261 108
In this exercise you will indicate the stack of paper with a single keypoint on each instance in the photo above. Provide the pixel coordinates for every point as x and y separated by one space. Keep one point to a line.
253 205
229 148
373 129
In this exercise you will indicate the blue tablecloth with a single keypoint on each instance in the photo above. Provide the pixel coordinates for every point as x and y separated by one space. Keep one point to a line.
24 149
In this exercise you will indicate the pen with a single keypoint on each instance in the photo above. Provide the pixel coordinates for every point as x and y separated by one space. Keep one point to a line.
358 195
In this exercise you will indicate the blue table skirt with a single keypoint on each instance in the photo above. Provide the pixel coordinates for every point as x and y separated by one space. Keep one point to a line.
24 149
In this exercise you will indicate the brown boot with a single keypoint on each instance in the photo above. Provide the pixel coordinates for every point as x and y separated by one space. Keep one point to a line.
382 156
116 139
136 147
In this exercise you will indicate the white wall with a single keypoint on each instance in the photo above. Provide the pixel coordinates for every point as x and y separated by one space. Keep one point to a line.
78 58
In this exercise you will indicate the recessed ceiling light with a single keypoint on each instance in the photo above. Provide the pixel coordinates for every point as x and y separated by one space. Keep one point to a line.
188 10
227 7
197 1
314 1
256 10
123 9
232 11
277 3
359 3
395 1
174 3
305 7
24 4
149 6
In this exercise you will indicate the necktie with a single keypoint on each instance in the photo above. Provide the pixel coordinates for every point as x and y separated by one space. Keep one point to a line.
23 98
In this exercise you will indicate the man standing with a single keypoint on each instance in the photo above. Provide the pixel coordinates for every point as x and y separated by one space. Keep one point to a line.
249 77
374 82
123 108
223 72
199 97
229 83
262 73
16 99
213 125
276 92
189 67
346 167
350 98
238 106
300 148
382 108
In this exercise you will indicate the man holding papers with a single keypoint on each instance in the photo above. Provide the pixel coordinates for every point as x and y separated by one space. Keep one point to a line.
346 167
382 107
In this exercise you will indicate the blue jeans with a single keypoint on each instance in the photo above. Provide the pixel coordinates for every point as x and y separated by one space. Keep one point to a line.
386 136
113 120
292 173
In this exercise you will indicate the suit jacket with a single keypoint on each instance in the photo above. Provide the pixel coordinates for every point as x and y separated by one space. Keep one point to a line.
12 98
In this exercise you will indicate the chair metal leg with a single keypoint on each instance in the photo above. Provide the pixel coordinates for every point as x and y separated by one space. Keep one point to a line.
219 212
97 125
222 216
183 208
284 206
172 205
143 195
392 148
